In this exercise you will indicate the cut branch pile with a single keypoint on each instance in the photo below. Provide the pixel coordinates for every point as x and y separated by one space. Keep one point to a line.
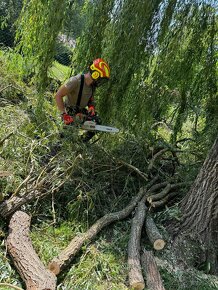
50 180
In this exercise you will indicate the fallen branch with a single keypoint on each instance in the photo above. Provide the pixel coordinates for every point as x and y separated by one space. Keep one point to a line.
160 199
162 202
154 235
5 138
10 286
153 278
11 86
143 175
40 189
157 155
28 264
159 195
67 255
136 280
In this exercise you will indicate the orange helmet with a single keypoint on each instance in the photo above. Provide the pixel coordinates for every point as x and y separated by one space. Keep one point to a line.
99 69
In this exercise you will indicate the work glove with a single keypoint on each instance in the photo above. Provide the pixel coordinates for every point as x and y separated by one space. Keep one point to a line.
67 119
91 111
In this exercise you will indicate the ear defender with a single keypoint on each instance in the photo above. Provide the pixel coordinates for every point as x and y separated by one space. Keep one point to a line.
95 75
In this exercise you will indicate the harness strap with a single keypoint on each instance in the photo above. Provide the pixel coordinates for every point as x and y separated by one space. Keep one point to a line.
80 91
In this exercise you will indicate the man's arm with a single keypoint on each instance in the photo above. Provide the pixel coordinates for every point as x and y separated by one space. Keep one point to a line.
63 91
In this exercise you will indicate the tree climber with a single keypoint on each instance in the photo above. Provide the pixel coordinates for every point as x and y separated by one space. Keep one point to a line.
79 92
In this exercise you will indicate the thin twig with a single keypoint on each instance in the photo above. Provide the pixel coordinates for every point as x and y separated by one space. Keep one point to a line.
5 138
23 182
53 208
11 86
143 175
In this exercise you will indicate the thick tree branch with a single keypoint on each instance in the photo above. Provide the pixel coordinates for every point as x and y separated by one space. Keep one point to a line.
153 278
154 235
136 280
28 264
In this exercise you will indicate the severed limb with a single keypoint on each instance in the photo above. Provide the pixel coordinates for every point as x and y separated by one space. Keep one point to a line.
136 279
159 195
28 264
153 278
67 255
161 198
154 235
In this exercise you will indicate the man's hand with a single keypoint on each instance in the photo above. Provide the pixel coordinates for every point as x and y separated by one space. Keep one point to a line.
91 111
67 119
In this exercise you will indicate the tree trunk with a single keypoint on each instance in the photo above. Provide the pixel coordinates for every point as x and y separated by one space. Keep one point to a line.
19 245
200 209
136 280
153 278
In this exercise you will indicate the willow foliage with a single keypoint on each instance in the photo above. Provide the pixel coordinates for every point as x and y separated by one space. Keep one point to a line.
181 71
162 58
89 46
37 30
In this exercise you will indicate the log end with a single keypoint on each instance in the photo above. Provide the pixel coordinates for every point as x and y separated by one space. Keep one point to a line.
159 244
54 268
138 286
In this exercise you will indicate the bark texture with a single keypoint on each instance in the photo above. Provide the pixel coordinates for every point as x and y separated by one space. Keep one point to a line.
28 264
153 278
200 207
8 207
154 235
136 280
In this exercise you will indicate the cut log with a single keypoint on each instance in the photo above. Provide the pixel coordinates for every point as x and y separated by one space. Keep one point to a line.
153 234
136 279
28 264
153 278
67 255
164 200
159 195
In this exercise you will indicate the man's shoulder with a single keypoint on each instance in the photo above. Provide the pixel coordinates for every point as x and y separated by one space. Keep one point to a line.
73 81
75 78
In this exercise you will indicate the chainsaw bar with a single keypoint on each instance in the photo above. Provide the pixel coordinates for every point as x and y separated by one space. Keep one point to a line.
92 126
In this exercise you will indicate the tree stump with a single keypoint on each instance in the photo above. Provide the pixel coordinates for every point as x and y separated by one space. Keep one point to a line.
136 280
153 278
28 264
